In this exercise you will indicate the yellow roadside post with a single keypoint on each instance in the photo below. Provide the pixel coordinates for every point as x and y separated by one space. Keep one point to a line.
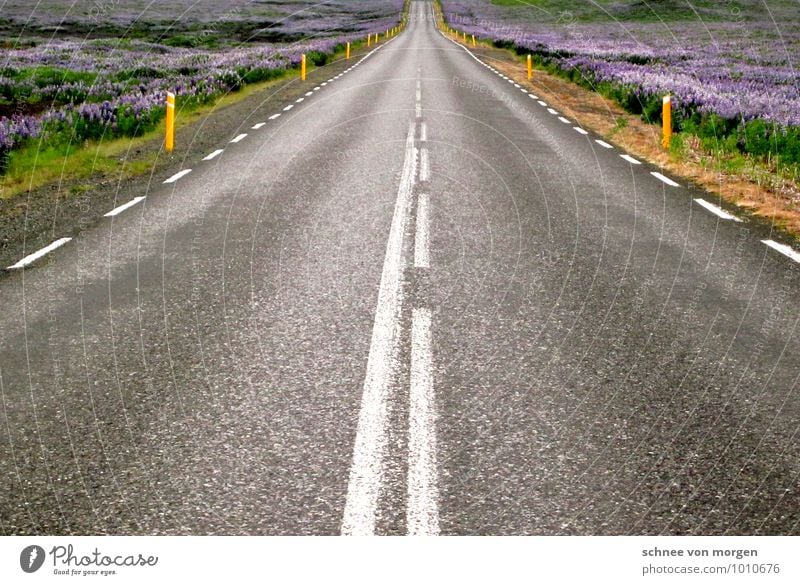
348 50
303 68
170 139
473 41
369 39
666 116
530 68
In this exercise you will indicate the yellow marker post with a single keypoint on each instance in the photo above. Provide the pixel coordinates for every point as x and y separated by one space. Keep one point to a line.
170 139
303 67
474 44
530 68
369 39
348 51
666 117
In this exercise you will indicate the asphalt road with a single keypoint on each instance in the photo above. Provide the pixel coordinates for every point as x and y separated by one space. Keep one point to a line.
415 302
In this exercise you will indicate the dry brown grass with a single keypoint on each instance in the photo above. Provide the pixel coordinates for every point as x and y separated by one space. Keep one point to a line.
756 187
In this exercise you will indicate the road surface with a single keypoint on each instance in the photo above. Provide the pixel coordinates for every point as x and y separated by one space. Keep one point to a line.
418 301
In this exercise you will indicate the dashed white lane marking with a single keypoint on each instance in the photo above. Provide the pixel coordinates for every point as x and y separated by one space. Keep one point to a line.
214 154
603 144
418 110
421 255
630 159
718 211
664 179
121 208
523 90
273 116
239 138
534 96
177 176
783 249
317 88
308 93
564 120
298 100
367 469
324 84
422 516
419 94
289 107
424 165
423 132
541 103
517 85
259 125
579 130
36 255
552 111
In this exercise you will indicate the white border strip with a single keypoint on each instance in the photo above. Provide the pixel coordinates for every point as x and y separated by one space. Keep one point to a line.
36 255
718 211
177 176
122 208
783 249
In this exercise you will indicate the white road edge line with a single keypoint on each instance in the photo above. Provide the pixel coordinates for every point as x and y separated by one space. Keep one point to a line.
36 255
177 176
273 116
289 107
121 208
369 452
718 211
239 138
421 248
783 249
422 515
580 130
563 119
259 126
664 179
214 154
630 159
603 144
552 111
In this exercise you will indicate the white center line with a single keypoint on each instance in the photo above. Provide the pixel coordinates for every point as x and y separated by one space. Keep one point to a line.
239 138
214 154
783 249
421 256
603 144
259 125
579 130
630 159
718 211
121 208
36 255
422 516
367 470
424 165
177 176
664 179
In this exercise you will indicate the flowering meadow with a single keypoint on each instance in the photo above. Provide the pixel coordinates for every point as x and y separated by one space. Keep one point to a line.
732 74
66 91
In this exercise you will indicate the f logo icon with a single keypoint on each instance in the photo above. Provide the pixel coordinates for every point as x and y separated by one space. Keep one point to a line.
31 558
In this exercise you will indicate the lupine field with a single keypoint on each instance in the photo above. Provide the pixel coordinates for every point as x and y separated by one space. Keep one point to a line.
106 72
731 67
